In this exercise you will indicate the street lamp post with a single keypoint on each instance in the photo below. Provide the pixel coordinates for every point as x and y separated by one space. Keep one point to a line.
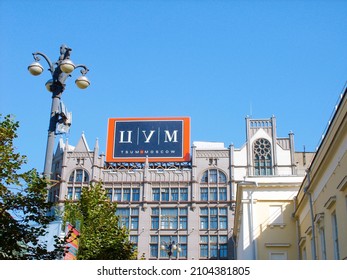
60 71
170 247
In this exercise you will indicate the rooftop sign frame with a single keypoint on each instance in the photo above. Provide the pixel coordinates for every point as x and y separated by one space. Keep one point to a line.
160 139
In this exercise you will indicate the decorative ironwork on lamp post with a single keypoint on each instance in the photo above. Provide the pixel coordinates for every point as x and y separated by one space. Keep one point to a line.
170 247
60 71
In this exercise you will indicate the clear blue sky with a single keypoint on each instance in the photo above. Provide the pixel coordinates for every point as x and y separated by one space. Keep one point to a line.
214 61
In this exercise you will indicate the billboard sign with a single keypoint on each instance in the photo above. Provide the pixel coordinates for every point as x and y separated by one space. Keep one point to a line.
158 139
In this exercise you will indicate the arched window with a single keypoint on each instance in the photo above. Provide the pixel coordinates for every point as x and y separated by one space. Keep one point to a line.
79 176
262 157
213 176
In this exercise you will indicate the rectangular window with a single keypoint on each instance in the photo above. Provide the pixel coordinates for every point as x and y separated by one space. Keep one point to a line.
183 211
223 251
174 194
134 240
203 250
117 194
213 251
223 211
322 243
213 176
77 193
154 250
69 193
134 222
165 194
203 222
183 222
156 194
123 214
109 193
134 211
79 175
126 194
222 194
169 218
204 194
155 211
213 218
136 194
154 222
166 239
213 239
213 194
183 194
154 238
204 211
335 236
183 253
203 238
223 222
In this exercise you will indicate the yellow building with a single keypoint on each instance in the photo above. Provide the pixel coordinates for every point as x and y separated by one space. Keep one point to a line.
298 216
321 203
264 227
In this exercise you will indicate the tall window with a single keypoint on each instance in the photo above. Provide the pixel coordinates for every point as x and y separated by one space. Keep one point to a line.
213 246
213 218
135 194
128 218
262 157
168 218
322 243
157 240
335 236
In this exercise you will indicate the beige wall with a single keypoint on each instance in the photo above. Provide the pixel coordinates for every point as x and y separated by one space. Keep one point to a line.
323 194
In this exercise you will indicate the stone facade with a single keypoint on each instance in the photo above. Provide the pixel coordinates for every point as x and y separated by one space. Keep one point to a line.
192 203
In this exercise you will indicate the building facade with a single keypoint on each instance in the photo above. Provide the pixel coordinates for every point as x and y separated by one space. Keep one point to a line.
321 203
193 202
303 216
263 226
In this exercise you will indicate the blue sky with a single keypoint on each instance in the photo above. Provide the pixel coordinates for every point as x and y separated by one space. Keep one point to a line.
214 61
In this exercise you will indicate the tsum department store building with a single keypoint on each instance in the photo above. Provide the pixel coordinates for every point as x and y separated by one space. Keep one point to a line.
192 201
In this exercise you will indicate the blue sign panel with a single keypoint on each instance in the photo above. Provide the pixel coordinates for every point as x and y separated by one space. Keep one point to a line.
158 139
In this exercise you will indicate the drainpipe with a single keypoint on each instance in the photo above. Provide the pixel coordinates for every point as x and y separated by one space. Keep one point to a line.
314 252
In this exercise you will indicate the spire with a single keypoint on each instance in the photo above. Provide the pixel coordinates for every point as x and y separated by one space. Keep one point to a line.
96 151
82 145
96 146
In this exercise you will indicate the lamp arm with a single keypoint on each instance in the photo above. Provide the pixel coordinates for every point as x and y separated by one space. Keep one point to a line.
84 70
37 58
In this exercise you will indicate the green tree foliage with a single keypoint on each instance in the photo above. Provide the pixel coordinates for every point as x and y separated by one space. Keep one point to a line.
101 236
23 203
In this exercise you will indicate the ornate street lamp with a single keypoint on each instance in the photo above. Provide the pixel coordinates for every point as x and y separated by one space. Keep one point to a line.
60 71
170 247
